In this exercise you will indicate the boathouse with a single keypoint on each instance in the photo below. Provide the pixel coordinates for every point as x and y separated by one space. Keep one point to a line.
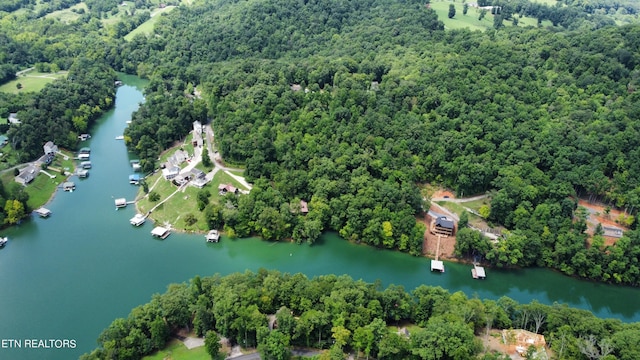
69 186
83 173
437 265
85 164
213 236
137 220
134 179
121 202
160 232
478 272
43 212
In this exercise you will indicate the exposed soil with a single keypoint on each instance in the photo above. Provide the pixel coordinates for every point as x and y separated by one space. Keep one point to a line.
430 244
597 215
443 193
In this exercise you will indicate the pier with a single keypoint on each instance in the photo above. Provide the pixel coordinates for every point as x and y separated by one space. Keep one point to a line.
436 264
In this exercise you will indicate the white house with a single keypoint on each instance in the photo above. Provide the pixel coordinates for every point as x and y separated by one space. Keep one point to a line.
50 148
13 119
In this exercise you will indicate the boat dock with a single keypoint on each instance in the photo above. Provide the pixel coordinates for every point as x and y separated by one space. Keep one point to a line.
160 232
213 236
43 212
478 272
437 265
138 220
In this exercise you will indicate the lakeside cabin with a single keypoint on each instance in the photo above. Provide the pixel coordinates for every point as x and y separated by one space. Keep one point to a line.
43 212
120 203
138 220
478 272
213 236
160 232
69 186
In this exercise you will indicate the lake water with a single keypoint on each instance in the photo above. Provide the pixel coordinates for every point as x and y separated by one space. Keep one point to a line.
69 276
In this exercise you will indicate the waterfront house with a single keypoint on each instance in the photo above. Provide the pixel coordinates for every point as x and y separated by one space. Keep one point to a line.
178 158
27 175
13 119
69 186
170 172
50 148
443 226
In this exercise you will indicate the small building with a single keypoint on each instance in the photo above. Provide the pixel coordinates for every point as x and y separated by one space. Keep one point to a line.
50 148
43 212
27 175
13 119
120 203
68 186
612 231
223 189
134 179
160 232
83 173
85 164
296 87
437 265
138 220
213 236
84 137
478 272
443 226
304 207
170 172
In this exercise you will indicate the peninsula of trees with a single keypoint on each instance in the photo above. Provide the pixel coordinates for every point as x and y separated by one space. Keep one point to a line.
347 316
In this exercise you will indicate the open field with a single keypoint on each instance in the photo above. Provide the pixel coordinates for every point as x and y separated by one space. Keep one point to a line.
68 15
31 81
147 26
470 21
176 350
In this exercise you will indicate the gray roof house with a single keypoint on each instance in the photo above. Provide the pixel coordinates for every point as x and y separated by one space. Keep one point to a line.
50 148
27 175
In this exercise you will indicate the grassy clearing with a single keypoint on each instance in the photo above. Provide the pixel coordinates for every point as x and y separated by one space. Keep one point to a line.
32 81
147 26
176 350
476 204
68 15
470 20
459 208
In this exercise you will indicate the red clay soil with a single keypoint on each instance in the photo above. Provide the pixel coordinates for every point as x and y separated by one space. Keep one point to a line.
597 215
441 193
430 244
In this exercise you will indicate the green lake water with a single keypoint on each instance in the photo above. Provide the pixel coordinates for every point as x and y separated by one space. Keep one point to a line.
69 276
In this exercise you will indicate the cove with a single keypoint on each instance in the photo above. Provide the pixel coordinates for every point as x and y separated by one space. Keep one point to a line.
69 276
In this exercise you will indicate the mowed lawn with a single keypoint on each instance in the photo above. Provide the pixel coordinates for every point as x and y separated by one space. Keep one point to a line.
147 26
176 350
32 81
175 210
470 20
68 15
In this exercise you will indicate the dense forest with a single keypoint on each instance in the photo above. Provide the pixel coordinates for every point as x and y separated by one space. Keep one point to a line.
350 106
343 315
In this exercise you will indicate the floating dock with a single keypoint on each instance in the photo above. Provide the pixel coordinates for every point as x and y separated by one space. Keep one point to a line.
160 232
478 272
120 203
43 212
437 265
213 236
138 220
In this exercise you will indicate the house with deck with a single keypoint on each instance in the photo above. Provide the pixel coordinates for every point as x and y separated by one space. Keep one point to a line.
442 225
